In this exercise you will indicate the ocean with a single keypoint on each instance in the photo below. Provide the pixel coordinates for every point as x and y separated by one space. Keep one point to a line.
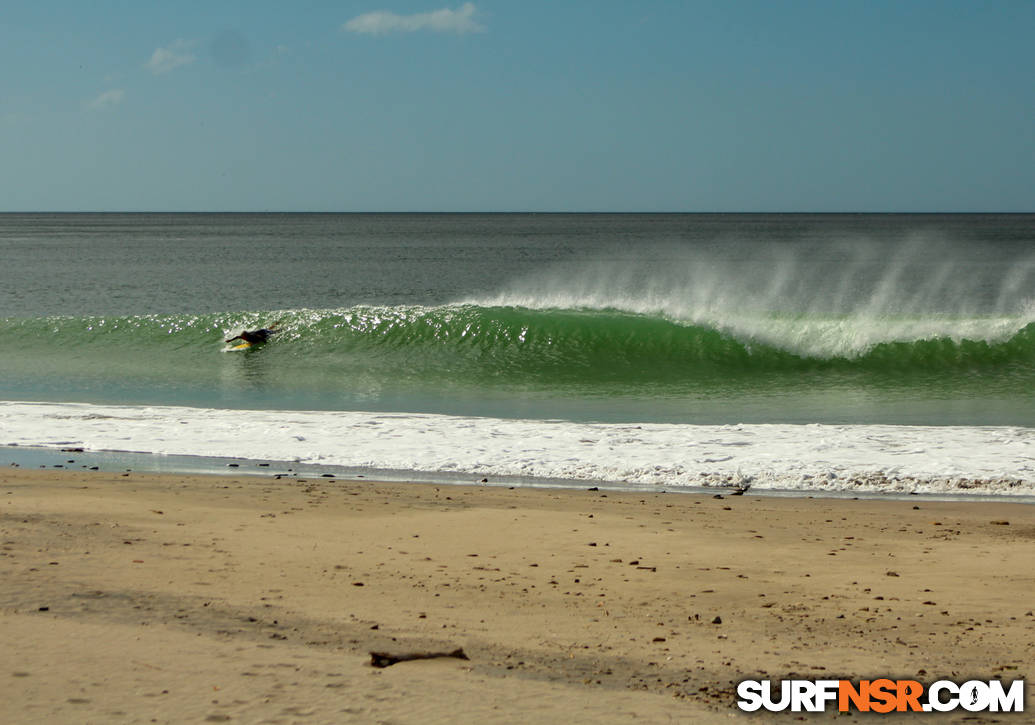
796 352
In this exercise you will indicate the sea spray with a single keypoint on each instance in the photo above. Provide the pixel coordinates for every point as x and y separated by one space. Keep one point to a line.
819 299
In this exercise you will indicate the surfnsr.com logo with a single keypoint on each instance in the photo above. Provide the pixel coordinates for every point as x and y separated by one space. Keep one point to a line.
881 696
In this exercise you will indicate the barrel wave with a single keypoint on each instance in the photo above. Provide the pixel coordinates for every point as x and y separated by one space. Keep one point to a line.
364 355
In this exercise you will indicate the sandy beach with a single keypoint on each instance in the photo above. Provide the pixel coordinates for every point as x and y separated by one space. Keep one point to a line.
164 598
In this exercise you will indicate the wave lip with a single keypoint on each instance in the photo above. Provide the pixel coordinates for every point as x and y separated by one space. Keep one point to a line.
871 458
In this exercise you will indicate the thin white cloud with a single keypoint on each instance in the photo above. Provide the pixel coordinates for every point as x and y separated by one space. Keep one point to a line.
171 57
445 20
107 99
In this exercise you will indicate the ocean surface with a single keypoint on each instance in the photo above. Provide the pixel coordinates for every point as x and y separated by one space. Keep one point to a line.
834 352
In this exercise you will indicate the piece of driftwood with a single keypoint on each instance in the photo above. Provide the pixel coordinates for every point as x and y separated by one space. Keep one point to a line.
383 659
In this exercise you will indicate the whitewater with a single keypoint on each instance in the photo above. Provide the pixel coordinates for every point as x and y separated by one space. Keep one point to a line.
806 458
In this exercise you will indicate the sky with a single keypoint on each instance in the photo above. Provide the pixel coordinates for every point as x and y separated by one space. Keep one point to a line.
530 105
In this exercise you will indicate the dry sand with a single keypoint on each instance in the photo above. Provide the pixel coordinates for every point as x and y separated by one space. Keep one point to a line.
164 598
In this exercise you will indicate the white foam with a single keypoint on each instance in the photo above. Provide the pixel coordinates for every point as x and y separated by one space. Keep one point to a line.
871 458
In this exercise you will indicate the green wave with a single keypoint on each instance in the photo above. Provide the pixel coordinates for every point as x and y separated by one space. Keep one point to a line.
486 342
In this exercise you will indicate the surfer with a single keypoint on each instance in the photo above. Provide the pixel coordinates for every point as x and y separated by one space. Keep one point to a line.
254 337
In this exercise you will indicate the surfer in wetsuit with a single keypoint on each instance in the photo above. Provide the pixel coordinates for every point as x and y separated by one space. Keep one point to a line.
254 337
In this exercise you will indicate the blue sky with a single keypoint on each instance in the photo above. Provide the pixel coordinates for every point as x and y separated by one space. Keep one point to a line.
538 105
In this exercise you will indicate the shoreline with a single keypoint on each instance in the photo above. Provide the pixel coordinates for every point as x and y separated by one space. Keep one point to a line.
806 457
71 459
130 596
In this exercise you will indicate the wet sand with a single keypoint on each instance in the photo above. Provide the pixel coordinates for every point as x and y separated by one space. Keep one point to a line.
168 598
